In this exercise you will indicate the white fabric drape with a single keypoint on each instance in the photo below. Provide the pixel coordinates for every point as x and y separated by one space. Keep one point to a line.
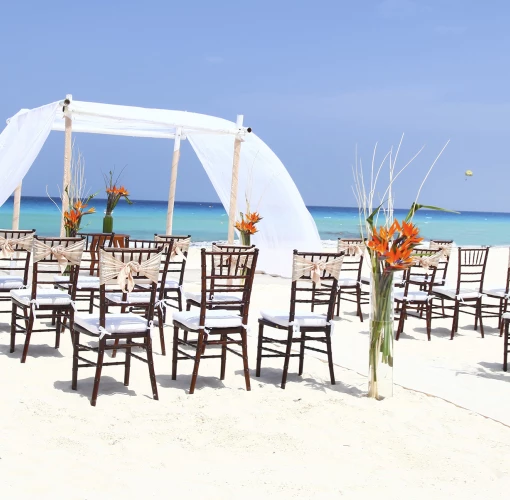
20 143
287 223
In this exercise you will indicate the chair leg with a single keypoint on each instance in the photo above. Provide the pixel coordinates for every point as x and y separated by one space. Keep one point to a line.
244 344
455 321
330 355
29 334
338 303
152 373
179 299
13 326
174 352
476 316
198 354
400 327
127 366
287 358
259 349
479 310
161 332
302 354
358 299
506 346
91 303
115 345
58 329
428 319
223 356
99 367
76 341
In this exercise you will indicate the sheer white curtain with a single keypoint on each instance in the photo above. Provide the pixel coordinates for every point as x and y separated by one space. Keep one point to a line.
20 143
270 190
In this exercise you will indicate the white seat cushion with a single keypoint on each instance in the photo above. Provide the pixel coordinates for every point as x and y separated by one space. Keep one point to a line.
10 282
214 318
301 318
114 323
464 293
496 292
347 282
84 281
411 296
217 297
169 285
44 296
423 279
131 298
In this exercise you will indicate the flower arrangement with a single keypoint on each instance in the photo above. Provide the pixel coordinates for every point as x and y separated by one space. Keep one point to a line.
113 195
73 216
246 226
390 250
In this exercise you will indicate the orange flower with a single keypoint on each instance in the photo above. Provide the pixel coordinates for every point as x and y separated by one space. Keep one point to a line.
398 258
253 217
123 191
246 227
410 232
79 205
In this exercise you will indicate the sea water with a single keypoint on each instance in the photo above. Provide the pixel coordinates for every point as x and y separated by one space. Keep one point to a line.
209 221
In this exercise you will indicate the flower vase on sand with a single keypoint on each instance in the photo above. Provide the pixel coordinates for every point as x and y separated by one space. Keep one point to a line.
246 226
380 366
108 222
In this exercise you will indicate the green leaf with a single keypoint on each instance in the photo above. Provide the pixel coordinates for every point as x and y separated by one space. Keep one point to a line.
416 206
370 218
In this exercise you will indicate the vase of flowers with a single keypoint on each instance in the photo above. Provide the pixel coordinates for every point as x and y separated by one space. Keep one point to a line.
389 246
73 216
246 226
113 195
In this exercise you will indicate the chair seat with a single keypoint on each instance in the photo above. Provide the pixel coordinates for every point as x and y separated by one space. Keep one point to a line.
424 279
84 281
451 293
214 318
499 293
131 298
115 323
10 282
281 318
217 297
506 316
411 296
347 282
169 285
44 297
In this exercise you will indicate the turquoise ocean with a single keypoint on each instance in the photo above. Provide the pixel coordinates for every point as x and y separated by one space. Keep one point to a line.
208 221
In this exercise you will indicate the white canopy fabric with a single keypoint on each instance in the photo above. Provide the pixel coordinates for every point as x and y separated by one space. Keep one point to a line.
263 179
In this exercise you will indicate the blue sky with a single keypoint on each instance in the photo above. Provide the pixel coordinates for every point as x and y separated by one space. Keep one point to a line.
313 79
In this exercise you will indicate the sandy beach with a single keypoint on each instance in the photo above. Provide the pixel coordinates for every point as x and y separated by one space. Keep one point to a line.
445 433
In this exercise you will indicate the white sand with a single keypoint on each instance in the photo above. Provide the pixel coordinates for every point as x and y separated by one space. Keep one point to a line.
312 440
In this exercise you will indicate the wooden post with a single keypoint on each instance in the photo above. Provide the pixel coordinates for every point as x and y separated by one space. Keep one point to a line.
16 208
173 181
67 162
235 179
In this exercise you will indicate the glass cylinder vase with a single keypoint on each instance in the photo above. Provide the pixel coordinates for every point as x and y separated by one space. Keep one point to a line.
245 238
108 222
380 366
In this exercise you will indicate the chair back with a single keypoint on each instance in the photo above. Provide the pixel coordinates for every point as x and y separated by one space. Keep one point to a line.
315 280
228 271
472 266
15 250
56 255
354 251
123 269
90 258
422 272
446 248
178 255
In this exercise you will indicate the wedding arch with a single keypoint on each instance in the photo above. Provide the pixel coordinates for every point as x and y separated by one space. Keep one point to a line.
234 158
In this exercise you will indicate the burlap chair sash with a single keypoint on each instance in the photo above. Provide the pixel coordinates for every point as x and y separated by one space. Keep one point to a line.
112 269
64 255
8 245
314 269
351 249
446 248
179 248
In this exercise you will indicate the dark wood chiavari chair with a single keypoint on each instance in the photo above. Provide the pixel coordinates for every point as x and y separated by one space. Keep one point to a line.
303 326
15 251
468 293
349 283
49 256
87 287
416 298
125 330
176 269
209 324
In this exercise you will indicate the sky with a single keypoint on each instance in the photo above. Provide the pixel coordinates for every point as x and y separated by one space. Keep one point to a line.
317 81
